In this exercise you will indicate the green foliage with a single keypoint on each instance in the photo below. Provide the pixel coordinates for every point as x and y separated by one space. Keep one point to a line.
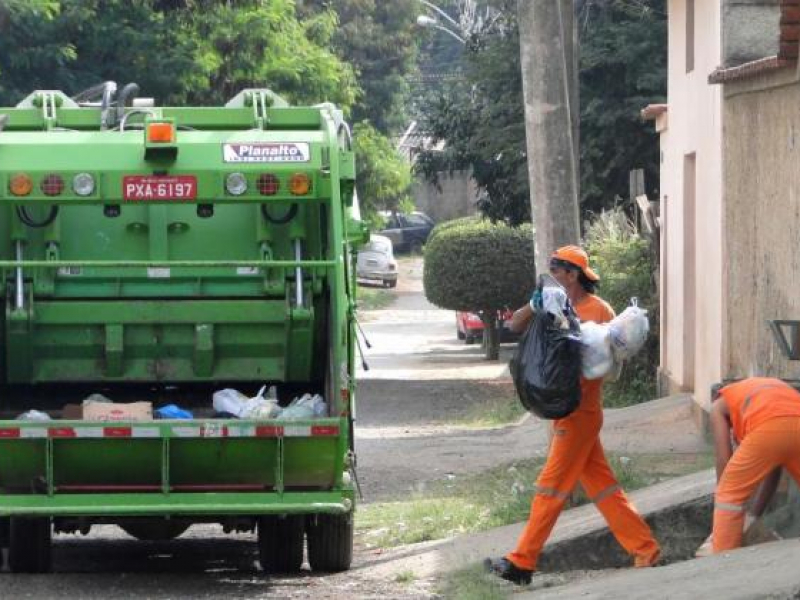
383 177
623 68
623 58
623 260
380 40
481 120
472 266
179 51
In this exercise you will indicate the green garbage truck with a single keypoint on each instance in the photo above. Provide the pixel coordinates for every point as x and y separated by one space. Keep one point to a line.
152 256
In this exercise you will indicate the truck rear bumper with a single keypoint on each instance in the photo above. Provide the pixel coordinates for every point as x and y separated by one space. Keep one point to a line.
200 504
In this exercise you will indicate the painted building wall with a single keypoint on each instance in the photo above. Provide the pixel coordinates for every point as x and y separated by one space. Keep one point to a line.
761 153
455 197
691 195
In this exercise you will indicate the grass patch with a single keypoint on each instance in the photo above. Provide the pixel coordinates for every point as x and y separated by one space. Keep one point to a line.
497 497
373 298
496 410
619 394
473 584
453 507
405 577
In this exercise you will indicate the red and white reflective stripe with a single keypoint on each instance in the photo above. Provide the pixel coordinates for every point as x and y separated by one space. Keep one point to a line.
297 430
212 430
207 430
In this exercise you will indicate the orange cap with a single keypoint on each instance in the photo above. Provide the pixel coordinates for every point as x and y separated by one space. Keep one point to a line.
577 256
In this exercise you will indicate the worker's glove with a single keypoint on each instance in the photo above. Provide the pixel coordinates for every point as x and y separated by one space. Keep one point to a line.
536 299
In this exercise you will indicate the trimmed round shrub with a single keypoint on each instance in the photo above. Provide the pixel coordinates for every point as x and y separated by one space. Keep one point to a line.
473 265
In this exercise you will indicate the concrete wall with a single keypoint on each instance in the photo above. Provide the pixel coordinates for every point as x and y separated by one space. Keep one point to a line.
456 199
750 30
692 262
762 219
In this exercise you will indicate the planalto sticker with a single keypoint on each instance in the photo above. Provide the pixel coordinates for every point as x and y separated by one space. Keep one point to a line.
283 152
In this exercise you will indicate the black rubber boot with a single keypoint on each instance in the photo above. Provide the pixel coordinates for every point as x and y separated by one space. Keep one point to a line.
505 569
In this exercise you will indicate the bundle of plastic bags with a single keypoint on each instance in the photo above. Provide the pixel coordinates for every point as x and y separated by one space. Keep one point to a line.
546 364
604 346
629 330
258 407
597 360
305 407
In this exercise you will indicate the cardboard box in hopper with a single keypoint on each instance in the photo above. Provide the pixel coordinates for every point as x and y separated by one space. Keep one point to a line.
112 411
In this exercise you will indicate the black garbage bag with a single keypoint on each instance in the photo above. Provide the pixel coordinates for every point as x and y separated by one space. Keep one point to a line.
546 367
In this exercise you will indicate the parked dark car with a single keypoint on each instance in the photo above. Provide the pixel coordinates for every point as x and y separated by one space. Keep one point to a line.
408 232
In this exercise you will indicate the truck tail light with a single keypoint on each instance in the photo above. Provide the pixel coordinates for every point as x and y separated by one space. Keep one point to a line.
20 184
268 184
52 185
160 133
299 184
236 184
83 184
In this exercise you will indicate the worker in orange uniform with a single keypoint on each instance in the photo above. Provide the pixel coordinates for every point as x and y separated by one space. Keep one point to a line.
763 414
576 454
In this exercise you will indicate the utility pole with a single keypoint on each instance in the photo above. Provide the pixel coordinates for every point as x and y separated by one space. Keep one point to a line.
549 59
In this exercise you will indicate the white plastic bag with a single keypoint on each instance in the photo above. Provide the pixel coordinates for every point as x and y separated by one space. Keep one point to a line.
229 401
629 331
257 407
554 300
34 415
305 407
596 358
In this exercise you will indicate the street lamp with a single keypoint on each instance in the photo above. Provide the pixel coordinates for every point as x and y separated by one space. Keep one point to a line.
426 21
441 13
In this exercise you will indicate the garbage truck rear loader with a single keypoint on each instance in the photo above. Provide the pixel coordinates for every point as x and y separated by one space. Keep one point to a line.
157 255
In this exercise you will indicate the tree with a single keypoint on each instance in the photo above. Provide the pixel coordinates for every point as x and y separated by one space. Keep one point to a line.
180 51
623 68
383 176
479 266
480 119
380 40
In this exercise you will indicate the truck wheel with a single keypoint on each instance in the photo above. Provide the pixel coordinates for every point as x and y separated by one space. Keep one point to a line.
29 547
280 543
330 542
460 334
469 339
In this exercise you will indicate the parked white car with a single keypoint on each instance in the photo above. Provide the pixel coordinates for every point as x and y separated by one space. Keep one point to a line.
376 263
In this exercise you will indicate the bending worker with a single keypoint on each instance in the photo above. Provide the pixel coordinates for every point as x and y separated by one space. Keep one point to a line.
764 416
576 454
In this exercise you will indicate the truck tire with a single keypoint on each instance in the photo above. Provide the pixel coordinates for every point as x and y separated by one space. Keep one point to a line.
330 542
29 545
280 543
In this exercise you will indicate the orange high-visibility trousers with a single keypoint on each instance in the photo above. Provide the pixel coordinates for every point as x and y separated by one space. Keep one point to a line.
576 455
774 443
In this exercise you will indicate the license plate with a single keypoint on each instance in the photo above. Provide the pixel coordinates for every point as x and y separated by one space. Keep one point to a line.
143 187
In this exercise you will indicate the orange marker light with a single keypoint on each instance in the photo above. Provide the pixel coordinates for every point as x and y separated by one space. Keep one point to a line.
160 133
20 184
299 184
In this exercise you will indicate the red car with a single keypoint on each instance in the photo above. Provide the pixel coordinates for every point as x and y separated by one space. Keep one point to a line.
469 326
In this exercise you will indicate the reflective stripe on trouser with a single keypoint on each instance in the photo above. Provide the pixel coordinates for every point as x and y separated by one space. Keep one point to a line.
774 443
576 455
